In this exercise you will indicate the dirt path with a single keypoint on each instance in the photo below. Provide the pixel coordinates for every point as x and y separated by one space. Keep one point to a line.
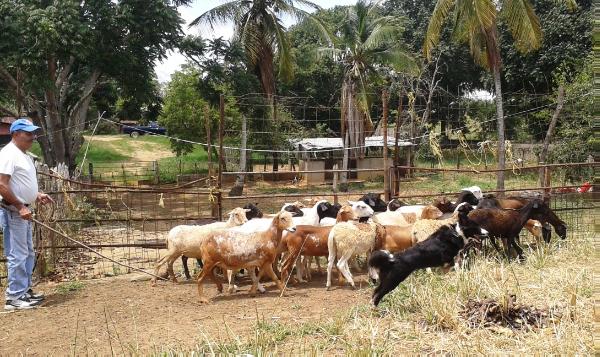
146 320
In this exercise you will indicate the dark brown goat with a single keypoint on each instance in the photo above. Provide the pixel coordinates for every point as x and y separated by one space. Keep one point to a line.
507 223
546 215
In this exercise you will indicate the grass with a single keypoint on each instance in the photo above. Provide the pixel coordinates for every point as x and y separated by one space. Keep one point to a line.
70 287
423 314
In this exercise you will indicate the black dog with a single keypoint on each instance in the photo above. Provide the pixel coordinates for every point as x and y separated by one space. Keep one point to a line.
437 250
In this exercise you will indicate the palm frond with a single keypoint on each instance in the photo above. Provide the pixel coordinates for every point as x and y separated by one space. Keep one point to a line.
284 48
399 60
436 22
381 35
220 14
523 23
571 4
484 13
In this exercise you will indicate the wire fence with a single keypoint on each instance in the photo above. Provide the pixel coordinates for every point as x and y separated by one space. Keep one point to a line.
130 224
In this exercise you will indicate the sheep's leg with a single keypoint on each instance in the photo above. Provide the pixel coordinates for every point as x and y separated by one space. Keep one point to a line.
207 270
170 268
330 263
160 263
254 278
269 271
288 262
318 261
255 283
345 269
307 262
389 283
186 271
232 288
299 270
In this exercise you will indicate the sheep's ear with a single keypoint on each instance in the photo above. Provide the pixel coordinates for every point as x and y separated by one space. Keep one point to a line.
371 202
351 203
536 205
247 210
323 207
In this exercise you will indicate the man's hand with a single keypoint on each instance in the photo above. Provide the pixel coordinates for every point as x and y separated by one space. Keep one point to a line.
44 198
25 213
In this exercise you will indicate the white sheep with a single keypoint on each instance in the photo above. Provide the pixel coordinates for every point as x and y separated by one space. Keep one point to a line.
187 239
407 215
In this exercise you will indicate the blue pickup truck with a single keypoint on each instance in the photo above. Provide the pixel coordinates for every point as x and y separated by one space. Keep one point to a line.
136 130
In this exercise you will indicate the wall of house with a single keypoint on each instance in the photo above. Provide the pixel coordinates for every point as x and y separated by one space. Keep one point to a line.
366 163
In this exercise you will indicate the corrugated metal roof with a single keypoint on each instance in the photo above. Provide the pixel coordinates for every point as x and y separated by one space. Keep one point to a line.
336 143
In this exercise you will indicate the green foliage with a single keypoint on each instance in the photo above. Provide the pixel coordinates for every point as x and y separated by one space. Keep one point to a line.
575 139
70 287
106 128
184 109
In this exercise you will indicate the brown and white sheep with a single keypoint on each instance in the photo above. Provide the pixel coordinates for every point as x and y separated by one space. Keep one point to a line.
186 240
233 250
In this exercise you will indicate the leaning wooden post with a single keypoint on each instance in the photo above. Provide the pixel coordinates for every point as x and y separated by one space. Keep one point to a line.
386 178
397 149
208 140
221 157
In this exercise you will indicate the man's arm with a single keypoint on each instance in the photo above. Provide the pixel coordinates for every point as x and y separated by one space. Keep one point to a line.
10 197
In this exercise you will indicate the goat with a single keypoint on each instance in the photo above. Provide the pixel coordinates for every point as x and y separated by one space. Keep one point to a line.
348 239
186 240
374 201
446 206
507 223
548 217
440 249
232 250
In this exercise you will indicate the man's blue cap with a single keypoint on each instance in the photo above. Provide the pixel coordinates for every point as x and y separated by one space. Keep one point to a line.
23 124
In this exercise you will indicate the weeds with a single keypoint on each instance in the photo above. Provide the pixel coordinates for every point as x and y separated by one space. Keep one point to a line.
70 287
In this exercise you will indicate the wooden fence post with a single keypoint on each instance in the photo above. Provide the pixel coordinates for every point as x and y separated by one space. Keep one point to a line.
386 178
91 172
221 158
156 172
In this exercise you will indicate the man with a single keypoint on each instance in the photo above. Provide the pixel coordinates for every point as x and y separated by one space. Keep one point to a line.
18 191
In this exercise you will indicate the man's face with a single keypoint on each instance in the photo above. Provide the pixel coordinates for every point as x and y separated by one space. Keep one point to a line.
23 139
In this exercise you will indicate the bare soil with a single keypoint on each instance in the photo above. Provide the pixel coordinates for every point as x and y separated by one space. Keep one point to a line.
133 317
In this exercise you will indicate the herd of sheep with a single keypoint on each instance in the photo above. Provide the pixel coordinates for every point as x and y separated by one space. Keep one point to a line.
398 237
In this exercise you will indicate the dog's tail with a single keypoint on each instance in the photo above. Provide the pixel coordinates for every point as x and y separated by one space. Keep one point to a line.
381 259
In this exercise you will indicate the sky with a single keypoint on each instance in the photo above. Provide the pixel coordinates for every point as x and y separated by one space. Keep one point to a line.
174 60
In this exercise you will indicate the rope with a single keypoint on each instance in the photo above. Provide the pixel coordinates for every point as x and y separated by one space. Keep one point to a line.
293 265
87 247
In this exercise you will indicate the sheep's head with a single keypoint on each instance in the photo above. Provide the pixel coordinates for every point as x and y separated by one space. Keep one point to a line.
476 190
374 201
326 209
561 230
395 204
361 209
254 211
443 204
293 209
238 216
431 212
466 227
346 213
283 220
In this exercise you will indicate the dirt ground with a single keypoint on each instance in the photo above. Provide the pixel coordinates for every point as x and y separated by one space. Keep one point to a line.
128 316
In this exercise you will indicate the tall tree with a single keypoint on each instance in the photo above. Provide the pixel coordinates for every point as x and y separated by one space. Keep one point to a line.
258 27
367 41
476 23
56 53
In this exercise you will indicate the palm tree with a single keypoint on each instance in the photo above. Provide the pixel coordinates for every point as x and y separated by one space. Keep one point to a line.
366 44
259 29
475 23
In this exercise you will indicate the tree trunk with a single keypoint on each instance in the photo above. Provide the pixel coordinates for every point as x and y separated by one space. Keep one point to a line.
353 121
560 101
501 139
238 188
344 175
